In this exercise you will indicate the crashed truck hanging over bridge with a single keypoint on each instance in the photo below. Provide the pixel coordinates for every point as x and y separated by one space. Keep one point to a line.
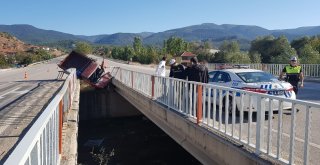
87 69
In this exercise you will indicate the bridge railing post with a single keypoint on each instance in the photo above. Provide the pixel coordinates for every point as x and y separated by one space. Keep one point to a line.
152 86
199 106
132 79
260 124
60 124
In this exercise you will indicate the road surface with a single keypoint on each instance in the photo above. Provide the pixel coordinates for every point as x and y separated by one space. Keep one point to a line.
24 92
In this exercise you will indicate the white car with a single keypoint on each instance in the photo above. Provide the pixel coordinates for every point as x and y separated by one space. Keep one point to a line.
251 80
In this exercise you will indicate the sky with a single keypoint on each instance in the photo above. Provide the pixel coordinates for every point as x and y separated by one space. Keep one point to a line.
94 17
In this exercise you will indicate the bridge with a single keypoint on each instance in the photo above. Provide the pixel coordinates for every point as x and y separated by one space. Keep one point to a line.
186 113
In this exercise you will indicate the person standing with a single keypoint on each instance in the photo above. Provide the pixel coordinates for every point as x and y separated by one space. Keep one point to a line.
161 68
293 73
176 70
197 72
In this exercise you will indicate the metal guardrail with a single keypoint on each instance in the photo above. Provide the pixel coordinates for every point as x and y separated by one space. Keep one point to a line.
310 70
42 144
287 141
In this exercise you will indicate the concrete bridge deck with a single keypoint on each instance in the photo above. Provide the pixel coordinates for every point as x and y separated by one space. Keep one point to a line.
21 103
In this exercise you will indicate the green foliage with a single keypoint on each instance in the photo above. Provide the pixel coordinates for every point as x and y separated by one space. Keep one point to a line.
23 58
3 62
230 53
175 46
83 47
137 45
315 43
239 58
255 57
202 50
230 47
272 50
299 43
102 50
266 49
307 55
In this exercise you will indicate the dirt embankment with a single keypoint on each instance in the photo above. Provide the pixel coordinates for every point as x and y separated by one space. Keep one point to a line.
11 45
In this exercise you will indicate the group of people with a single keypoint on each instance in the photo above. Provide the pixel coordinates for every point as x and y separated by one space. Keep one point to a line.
195 72
199 72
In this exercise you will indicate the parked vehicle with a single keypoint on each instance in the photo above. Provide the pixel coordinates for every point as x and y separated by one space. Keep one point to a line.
254 81
87 69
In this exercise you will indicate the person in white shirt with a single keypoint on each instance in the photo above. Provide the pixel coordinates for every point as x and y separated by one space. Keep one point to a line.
161 68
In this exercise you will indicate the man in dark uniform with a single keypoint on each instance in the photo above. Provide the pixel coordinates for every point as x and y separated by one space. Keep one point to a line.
177 70
293 73
197 72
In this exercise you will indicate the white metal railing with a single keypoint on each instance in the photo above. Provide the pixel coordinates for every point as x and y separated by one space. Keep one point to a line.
42 144
310 70
249 121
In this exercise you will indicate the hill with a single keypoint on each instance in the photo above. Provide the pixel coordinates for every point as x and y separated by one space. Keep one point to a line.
244 34
33 35
11 45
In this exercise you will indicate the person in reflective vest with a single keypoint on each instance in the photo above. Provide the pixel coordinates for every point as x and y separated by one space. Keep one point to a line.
293 73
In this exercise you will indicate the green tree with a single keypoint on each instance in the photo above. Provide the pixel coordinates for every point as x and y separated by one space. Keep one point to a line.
315 43
3 61
208 45
137 45
272 50
255 57
138 48
299 43
239 58
128 53
116 52
307 55
175 46
148 55
83 47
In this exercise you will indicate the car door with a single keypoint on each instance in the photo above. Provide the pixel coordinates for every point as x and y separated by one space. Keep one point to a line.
221 79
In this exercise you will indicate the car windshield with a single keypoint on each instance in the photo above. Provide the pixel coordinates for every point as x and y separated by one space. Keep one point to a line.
254 77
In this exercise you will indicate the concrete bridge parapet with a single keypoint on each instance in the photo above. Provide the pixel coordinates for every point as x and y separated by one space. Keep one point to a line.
206 146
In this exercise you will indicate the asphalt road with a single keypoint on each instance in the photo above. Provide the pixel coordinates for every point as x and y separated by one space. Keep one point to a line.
24 92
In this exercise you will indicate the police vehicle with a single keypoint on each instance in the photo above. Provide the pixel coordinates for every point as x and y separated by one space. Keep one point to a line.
251 80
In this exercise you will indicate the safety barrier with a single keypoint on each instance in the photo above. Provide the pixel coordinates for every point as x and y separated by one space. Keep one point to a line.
310 70
277 127
42 144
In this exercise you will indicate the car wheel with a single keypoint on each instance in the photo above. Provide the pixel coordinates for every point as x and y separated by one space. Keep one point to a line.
229 110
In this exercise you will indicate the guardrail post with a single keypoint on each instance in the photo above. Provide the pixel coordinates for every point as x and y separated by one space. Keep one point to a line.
260 124
70 96
152 87
121 76
199 107
132 79
60 124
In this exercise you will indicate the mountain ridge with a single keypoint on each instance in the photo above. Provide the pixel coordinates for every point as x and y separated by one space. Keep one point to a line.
201 32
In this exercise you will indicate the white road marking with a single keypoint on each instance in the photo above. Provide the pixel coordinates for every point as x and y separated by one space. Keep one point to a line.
1 96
